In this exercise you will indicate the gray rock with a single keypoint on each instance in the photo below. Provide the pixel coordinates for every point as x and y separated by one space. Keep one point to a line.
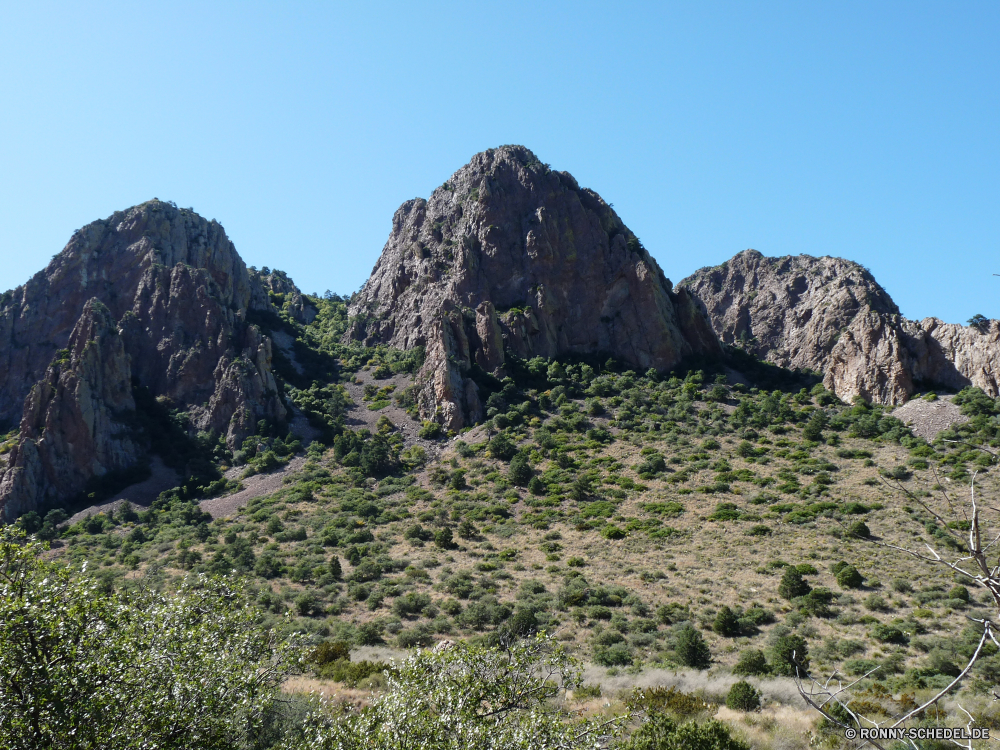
829 315
509 256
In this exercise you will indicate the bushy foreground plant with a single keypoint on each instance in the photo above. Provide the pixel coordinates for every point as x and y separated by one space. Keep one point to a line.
82 668
468 697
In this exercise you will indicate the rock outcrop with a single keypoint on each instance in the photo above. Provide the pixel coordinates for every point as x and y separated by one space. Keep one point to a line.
78 420
177 294
829 315
511 257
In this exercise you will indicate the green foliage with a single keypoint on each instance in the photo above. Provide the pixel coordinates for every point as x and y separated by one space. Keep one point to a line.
501 447
660 732
430 430
520 472
475 697
691 649
726 622
792 584
787 653
752 662
848 577
83 667
743 696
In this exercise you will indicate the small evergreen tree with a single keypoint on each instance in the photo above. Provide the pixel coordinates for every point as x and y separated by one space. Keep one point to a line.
726 623
751 662
788 652
849 578
691 649
792 584
743 696
520 472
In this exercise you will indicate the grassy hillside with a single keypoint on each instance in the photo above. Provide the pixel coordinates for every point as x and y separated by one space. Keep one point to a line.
639 517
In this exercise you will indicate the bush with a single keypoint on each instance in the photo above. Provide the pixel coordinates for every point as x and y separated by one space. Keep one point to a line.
435 699
752 662
430 430
726 623
615 655
888 633
792 584
502 448
443 538
691 649
121 665
859 530
960 592
520 472
612 532
787 652
742 696
849 578
660 731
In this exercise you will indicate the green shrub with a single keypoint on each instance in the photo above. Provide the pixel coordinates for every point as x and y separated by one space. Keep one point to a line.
660 732
726 623
520 472
691 649
859 529
615 655
792 584
848 577
501 447
742 696
961 593
787 652
122 665
751 662
612 532
430 430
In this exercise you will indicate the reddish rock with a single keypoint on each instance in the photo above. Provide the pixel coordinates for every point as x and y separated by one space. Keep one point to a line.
77 420
178 294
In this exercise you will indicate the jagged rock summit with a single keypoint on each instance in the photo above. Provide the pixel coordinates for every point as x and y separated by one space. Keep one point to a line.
831 316
510 256
154 297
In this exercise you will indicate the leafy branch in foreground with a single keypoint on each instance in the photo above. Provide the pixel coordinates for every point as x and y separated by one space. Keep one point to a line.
466 697
970 560
80 668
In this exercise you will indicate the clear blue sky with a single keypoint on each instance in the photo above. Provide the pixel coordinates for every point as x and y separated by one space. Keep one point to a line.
865 130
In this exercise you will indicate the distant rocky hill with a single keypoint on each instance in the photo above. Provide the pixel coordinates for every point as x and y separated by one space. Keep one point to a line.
154 297
831 316
509 255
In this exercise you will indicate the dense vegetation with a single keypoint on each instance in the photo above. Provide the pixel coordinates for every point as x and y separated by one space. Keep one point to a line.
719 517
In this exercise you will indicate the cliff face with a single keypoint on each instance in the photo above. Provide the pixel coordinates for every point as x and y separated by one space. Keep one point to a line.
77 419
510 256
176 293
831 316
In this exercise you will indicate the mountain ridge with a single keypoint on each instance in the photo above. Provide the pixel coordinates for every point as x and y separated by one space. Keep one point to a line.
830 315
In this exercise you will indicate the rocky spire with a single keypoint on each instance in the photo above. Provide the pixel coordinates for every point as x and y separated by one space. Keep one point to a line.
512 257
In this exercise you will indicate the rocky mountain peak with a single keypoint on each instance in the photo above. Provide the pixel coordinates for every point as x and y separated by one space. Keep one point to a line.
511 257
830 315
176 293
